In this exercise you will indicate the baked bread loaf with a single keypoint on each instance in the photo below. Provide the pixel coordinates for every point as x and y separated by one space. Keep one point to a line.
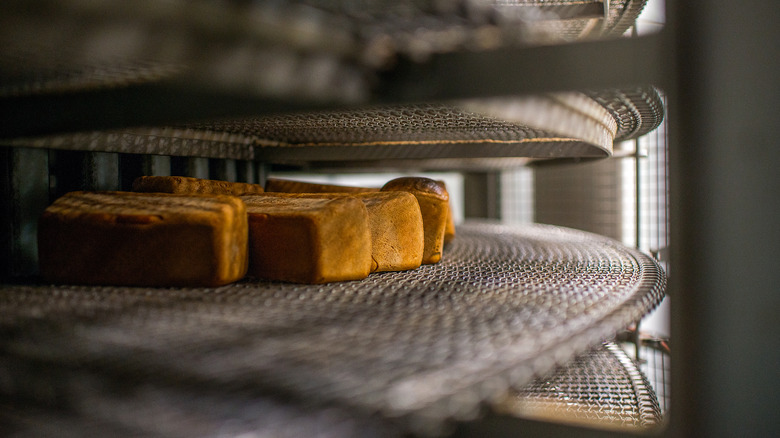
143 239
434 206
291 186
396 226
186 185
308 240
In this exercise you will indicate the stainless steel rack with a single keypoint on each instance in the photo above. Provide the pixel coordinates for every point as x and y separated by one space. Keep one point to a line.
713 59
409 352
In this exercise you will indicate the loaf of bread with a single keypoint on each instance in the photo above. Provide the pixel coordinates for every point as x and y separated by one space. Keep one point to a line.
308 240
397 234
186 185
143 239
434 206
291 186
395 223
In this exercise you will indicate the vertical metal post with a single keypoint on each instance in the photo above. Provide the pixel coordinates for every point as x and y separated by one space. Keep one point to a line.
78 170
263 169
24 186
245 171
481 196
157 165
222 169
725 206
195 167
638 193
131 166
101 171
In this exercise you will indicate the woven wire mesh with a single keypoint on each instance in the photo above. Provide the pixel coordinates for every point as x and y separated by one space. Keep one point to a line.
400 132
149 141
282 48
275 49
68 77
600 387
576 20
404 351
438 131
272 48
655 363
384 136
637 111
402 123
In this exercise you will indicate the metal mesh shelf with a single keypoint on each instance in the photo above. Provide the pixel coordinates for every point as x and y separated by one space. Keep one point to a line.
292 48
462 135
167 76
396 352
602 387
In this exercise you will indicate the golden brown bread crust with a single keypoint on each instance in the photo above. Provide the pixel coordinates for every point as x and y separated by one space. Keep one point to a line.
434 206
186 185
289 186
418 184
396 226
308 240
143 239
397 233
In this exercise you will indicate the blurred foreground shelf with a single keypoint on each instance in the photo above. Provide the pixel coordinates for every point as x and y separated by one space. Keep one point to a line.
396 353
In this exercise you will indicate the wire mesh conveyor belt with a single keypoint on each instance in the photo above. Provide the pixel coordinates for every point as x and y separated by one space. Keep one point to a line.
303 82
602 387
472 133
291 48
394 353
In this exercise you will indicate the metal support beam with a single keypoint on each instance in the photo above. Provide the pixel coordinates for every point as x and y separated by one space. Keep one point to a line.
481 193
725 209
223 169
24 187
624 62
195 167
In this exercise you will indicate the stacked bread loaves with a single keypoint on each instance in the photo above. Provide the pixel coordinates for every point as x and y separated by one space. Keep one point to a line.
179 231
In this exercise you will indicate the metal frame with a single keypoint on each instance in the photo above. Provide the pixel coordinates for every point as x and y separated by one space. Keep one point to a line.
725 185
717 63
724 95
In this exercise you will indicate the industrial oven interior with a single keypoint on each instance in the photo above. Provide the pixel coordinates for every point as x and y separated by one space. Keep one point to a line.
572 144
